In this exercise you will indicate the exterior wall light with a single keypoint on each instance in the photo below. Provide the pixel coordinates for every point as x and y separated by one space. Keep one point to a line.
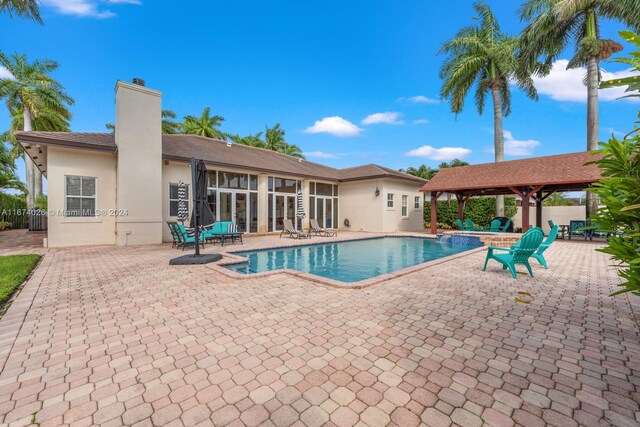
377 192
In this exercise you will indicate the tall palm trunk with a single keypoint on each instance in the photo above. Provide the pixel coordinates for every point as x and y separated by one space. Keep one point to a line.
29 166
592 121
498 139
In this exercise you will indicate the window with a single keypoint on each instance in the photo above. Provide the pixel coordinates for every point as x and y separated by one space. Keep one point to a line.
324 189
173 199
390 200
416 202
232 180
80 196
405 207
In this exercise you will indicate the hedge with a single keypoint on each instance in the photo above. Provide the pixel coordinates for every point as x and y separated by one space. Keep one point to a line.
13 210
481 210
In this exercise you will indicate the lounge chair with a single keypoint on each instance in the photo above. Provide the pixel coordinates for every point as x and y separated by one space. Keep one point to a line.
292 232
319 231
545 245
186 236
223 231
460 225
505 227
517 254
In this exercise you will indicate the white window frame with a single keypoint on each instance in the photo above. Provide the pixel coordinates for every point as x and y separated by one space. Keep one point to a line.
405 206
67 196
390 199
416 203
175 200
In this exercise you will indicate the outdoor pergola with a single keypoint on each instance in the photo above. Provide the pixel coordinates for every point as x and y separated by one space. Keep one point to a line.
535 178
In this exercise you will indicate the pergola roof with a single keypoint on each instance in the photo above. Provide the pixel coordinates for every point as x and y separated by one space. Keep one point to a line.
562 172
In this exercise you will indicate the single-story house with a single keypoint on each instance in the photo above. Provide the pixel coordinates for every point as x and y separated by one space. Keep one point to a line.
121 188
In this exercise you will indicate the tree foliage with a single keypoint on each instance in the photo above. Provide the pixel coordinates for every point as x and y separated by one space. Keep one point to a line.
204 125
632 82
23 8
427 172
619 191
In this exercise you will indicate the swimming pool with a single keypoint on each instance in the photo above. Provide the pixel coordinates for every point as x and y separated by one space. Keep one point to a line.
349 261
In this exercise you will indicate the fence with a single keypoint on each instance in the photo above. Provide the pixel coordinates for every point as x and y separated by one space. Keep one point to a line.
37 221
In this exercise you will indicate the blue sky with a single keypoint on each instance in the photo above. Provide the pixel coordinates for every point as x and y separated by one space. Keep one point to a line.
352 82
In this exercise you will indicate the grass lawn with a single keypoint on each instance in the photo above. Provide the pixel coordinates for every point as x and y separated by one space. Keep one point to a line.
13 270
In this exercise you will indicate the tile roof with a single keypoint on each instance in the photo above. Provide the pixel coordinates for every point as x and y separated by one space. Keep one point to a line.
181 147
558 170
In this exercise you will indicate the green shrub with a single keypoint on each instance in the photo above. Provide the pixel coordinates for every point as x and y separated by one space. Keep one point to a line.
13 210
479 209
619 191
4 225
41 203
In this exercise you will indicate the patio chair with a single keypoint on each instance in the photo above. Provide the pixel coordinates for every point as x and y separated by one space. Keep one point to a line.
553 234
551 224
319 231
460 225
578 227
505 227
174 237
187 237
470 226
292 232
517 254
223 231
494 226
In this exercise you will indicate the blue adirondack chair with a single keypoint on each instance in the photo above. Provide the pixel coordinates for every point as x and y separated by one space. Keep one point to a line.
470 225
460 225
505 227
545 245
494 226
517 254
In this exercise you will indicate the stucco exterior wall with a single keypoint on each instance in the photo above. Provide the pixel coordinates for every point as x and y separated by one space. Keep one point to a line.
392 219
357 203
558 214
139 173
65 231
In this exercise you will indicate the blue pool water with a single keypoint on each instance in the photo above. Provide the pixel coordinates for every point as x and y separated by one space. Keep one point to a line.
350 261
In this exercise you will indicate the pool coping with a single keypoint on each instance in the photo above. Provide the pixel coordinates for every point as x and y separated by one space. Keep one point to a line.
230 258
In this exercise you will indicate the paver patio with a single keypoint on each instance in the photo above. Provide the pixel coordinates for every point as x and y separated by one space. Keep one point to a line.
115 336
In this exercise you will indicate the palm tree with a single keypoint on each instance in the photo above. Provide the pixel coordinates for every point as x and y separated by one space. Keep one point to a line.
22 8
205 125
32 90
423 171
274 138
46 121
292 150
168 124
8 178
254 140
485 57
553 25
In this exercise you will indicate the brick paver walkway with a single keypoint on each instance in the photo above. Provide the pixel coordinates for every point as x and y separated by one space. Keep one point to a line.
115 336
13 242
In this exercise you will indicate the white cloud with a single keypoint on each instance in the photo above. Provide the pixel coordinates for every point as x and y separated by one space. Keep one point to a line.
420 99
5 74
567 85
389 118
516 147
336 126
320 155
85 8
420 121
444 153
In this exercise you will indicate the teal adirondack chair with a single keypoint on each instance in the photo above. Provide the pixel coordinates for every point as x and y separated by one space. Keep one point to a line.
470 225
494 226
460 224
517 254
545 245
503 229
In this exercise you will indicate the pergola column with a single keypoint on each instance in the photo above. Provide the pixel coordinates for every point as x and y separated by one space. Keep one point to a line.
539 209
462 200
525 196
434 212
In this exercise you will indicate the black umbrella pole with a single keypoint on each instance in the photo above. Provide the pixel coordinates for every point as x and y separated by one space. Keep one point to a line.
194 186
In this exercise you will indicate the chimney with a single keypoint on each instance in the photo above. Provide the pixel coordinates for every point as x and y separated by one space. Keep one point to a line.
138 136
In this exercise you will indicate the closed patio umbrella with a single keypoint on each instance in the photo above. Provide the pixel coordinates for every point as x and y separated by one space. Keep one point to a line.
300 211
201 214
183 211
